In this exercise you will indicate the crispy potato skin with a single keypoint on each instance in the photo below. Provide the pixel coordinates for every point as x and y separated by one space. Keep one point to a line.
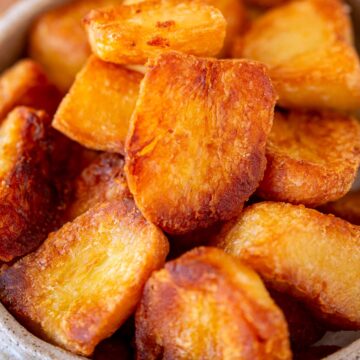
304 329
59 43
130 34
106 94
196 146
207 305
312 157
318 69
347 208
25 84
299 251
27 196
87 277
103 180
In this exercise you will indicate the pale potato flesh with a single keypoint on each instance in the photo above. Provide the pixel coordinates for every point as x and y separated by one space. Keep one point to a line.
312 256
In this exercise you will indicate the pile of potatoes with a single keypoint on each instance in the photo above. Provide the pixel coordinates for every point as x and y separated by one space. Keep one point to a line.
176 175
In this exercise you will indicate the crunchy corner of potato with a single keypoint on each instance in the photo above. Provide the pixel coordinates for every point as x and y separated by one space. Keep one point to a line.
310 68
265 3
25 84
86 279
196 145
312 157
347 208
27 198
96 112
59 43
103 180
302 252
130 34
207 305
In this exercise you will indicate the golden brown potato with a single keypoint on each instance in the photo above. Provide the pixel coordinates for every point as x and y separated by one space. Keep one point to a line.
196 145
130 34
311 66
265 3
103 180
299 251
304 329
97 110
312 158
347 208
87 277
207 305
58 40
25 84
27 197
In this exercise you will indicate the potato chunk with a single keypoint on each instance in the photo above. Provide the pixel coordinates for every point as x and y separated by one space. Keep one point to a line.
130 34
311 66
196 145
97 110
25 84
207 305
312 157
27 198
347 208
87 277
103 180
312 256
59 43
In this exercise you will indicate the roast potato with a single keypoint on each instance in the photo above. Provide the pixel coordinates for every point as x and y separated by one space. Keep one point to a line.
25 84
313 157
347 208
196 145
207 305
103 180
130 34
97 110
311 66
27 195
86 279
59 43
309 255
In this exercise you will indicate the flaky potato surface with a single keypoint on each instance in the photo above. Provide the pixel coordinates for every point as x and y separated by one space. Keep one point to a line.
207 305
59 43
311 67
87 277
25 84
312 256
103 180
196 145
130 34
27 197
96 112
313 157
347 208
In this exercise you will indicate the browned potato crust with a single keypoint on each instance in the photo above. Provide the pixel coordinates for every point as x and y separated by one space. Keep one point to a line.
311 66
58 40
27 198
312 256
103 180
347 208
130 34
196 145
312 157
97 110
266 3
87 277
25 84
304 329
207 305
